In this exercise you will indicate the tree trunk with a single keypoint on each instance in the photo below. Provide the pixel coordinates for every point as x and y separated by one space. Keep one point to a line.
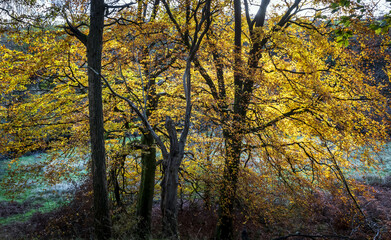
169 197
116 190
148 156
170 182
233 144
233 136
102 221
147 186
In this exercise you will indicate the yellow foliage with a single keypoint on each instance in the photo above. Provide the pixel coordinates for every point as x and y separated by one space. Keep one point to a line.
313 113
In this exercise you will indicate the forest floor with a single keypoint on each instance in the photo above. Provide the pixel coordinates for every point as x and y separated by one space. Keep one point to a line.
74 221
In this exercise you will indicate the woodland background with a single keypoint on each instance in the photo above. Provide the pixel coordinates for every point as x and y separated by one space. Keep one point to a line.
195 119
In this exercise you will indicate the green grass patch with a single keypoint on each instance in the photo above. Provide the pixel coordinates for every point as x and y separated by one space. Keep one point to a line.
32 190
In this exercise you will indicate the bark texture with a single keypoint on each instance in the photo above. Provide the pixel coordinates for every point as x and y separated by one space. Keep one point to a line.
229 186
147 186
102 222
148 156
170 183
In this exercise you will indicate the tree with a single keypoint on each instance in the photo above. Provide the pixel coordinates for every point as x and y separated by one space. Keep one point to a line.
278 101
279 95
150 71
173 156
94 42
176 149
94 55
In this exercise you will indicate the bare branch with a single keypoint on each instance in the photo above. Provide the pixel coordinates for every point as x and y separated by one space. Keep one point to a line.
187 75
292 112
120 6
288 15
248 18
74 31
138 112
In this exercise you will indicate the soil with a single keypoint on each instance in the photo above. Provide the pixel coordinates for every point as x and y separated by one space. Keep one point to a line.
12 208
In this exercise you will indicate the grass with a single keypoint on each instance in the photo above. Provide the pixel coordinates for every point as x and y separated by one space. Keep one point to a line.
37 196
45 198
380 173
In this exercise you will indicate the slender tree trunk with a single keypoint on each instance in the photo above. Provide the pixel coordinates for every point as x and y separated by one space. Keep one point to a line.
147 186
116 191
102 221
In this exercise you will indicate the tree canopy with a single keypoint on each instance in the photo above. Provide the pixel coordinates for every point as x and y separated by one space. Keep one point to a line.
255 108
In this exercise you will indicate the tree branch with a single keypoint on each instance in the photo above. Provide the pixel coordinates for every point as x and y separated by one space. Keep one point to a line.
120 6
259 19
277 119
137 111
75 32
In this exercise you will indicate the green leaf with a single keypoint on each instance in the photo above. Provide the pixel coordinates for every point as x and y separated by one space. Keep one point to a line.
339 38
374 26
338 32
345 3
347 23
334 5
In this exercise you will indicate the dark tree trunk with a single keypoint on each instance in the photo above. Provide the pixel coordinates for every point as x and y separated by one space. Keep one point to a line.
148 156
116 191
233 137
102 221
147 186
170 183
233 144
169 197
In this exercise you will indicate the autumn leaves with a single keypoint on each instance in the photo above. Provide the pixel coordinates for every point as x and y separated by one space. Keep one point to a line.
253 101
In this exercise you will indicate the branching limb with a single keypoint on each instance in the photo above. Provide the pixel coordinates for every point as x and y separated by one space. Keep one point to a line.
288 14
292 112
207 78
138 112
120 6
259 19
74 31
186 76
